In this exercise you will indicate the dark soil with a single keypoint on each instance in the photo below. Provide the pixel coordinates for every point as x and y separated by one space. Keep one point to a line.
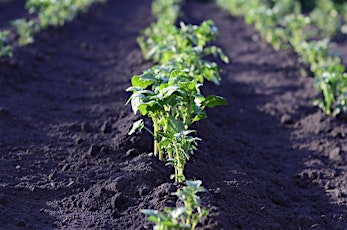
11 10
270 160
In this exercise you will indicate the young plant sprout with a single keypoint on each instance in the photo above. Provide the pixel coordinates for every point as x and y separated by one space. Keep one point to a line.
187 216
173 105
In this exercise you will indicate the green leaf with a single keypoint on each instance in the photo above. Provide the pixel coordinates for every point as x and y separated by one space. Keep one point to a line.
132 89
138 125
177 212
176 73
205 212
209 75
200 116
224 57
168 91
174 125
151 106
194 183
143 81
135 103
187 132
149 212
212 101
154 219
190 86
165 142
138 98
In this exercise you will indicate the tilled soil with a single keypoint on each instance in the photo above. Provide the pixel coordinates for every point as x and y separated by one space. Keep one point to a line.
11 10
269 159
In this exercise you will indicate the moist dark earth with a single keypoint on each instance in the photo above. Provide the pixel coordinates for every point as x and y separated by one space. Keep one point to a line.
270 159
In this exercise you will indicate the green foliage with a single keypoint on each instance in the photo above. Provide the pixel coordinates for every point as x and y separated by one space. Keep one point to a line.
166 10
173 100
296 35
169 93
49 13
281 23
164 42
185 217
26 31
56 13
186 45
326 18
5 48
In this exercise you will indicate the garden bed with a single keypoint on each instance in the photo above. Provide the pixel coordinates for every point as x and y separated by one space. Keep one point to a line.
269 159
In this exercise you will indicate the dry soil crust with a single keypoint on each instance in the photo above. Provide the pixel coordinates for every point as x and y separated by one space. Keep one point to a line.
269 159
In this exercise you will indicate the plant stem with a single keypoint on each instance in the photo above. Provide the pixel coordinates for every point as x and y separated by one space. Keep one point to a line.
179 166
161 156
155 131
157 151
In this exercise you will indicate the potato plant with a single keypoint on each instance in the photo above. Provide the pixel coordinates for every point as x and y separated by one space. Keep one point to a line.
169 93
172 99
49 13
184 217
166 10
282 23
56 13
5 48
326 18
26 30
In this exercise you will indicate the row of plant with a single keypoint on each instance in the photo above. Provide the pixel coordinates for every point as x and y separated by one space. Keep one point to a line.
43 14
169 94
283 25
5 48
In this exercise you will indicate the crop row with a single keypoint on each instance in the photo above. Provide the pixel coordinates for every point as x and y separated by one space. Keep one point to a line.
44 13
169 93
282 24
